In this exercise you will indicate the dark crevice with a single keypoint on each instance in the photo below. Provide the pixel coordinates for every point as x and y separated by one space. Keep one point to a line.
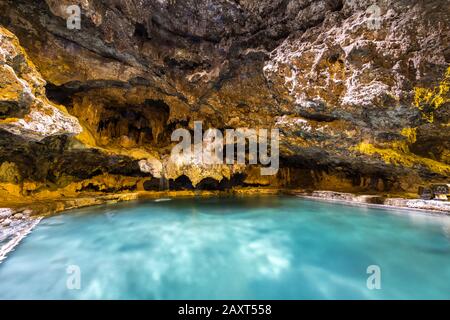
96 188
140 32
153 184
59 94
105 55
184 183
320 117
67 90
181 183
209 184
12 109
191 37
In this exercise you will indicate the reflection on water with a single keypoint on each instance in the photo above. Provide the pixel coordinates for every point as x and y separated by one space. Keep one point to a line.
163 200
232 248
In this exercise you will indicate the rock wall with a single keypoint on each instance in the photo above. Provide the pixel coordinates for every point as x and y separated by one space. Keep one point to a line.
359 90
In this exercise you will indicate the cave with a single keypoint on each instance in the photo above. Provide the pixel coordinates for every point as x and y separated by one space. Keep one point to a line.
236 180
181 183
59 94
118 123
209 184
153 184
132 125
354 94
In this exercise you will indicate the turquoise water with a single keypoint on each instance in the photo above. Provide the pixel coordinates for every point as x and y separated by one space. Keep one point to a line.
232 248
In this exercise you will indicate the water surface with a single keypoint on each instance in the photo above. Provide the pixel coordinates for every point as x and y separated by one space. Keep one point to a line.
232 248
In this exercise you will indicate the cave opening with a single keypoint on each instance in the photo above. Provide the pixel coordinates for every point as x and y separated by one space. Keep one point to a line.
209 184
181 183
135 125
153 184
60 94
118 123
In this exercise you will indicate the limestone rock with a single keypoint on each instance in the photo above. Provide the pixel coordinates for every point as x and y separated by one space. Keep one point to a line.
189 166
18 216
6 222
5 213
25 109
358 88
152 166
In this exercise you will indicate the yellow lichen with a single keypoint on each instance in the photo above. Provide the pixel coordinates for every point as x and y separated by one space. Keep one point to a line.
445 157
8 120
429 100
86 137
9 190
410 134
399 154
